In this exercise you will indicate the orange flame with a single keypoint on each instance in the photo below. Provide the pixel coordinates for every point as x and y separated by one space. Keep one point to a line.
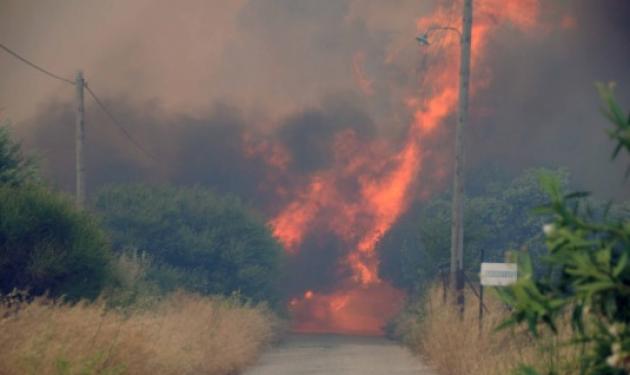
353 310
273 154
363 303
291 224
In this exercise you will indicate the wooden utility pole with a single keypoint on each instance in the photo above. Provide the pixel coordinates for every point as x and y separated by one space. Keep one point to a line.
457 225
80 140
481 305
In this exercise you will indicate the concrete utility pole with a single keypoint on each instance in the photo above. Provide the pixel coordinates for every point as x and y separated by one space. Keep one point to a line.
457 225
80 140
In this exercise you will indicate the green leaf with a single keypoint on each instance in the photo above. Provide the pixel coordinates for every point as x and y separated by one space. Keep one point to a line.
596 287
577 321
621 264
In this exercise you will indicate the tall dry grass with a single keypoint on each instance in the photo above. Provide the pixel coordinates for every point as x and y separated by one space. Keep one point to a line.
182 334
455 345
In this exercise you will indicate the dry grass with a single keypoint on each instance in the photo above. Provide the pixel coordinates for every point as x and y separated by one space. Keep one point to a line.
456 346
183 334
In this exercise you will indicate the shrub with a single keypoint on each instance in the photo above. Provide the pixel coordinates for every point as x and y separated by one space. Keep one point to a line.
456 345
497 216
130 286
198 240
48 245
183 334
591 257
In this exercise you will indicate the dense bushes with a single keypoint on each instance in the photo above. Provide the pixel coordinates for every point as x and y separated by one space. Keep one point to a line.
47 245
591 256
497 216
196 239
181 238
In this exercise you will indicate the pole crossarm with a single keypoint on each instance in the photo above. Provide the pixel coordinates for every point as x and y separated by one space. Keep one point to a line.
436 28
424 38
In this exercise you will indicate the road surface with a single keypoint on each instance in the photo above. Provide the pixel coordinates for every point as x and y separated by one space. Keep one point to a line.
338 355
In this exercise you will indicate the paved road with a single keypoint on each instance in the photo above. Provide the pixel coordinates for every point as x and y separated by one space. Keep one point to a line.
338 355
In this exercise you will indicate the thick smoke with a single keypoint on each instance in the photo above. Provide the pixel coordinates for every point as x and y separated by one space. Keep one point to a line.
309 135
275 62
211 150
542 107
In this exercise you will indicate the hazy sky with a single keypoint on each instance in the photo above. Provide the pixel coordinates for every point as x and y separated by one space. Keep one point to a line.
197 74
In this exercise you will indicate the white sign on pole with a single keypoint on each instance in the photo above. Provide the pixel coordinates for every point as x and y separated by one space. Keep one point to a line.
498 274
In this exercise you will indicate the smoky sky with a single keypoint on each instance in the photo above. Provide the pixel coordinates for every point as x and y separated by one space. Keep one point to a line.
183 150
191 80
542 107
309 135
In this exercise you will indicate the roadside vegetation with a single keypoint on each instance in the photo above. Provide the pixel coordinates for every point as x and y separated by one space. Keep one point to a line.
181 334
567 314
150 280
590 255
48 246
196 240
456 345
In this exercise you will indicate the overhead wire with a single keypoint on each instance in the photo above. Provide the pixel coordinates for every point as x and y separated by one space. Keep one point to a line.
89 90
35 66
118 124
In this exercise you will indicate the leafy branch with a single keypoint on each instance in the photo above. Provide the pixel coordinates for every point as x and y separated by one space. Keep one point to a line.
590 284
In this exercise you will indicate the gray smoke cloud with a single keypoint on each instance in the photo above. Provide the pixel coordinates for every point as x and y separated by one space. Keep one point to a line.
543 109
191 80
210 150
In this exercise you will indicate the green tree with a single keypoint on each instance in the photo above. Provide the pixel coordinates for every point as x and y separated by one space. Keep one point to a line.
15 168
591 256
48 246
497 217
198 240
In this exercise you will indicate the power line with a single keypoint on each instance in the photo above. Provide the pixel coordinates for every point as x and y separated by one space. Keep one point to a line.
92 94
118 124
34 66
